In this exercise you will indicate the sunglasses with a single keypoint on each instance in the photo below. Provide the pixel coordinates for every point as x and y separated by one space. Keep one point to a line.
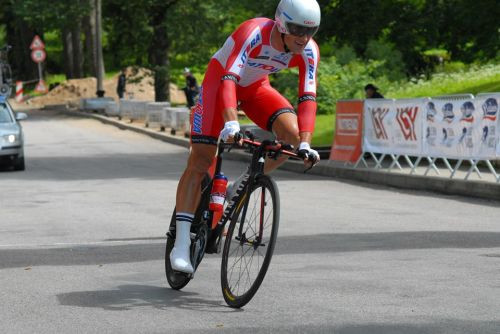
301 31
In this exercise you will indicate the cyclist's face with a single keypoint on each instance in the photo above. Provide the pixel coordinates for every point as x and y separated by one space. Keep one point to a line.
296 44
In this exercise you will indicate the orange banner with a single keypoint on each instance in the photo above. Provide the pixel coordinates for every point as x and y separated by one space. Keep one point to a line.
347 144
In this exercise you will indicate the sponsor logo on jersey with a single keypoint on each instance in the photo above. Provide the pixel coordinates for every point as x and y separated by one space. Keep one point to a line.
198 113
304 98
282 58
310 59
254 42
269 68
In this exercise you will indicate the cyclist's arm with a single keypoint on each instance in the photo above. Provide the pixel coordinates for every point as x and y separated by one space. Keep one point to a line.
307 62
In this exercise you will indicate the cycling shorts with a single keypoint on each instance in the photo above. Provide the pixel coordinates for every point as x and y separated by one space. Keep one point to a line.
260 102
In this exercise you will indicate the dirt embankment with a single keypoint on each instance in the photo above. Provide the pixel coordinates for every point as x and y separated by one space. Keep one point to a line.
140 86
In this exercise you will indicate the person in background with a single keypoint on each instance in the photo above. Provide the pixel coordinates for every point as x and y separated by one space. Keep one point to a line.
191 89
371 92
122 83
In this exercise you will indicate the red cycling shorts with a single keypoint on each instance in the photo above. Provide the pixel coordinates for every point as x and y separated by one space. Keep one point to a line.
260 102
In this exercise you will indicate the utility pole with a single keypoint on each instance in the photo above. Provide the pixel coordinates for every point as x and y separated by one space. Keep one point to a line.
100 61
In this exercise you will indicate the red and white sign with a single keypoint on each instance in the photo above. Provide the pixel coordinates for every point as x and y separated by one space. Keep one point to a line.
38 56
349 127
19 91
41 87
37 44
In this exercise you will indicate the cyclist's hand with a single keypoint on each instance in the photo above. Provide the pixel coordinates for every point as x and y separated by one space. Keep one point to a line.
310 156
230 129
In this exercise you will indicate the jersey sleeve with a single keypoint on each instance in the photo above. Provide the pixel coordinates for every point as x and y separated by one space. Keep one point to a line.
307 62
233 57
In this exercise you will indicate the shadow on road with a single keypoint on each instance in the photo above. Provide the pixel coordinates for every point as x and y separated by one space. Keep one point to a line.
306 244
127 297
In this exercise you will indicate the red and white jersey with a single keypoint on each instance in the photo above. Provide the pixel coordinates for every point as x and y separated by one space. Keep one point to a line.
247 55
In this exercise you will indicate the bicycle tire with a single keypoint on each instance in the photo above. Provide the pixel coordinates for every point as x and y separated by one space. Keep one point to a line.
230 289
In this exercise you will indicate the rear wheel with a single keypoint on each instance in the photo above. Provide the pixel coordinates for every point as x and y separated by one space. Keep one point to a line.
250 242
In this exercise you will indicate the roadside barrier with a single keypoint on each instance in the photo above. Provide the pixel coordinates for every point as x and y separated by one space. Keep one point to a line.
96 104
156 114
459 132
19 91
179 119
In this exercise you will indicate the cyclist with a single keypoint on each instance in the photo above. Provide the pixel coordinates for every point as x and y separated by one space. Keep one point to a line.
237 75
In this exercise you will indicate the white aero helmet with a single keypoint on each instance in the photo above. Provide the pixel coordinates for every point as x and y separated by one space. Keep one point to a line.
298 17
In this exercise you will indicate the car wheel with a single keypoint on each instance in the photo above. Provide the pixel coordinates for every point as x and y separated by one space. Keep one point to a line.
18 163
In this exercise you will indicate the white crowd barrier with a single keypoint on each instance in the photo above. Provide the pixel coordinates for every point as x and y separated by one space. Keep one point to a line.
179 119
126 109
457 130
456 127
112 109
95 104
156 114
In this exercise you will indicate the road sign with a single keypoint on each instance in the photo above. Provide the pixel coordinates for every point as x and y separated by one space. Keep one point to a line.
38 56
37 44
41 87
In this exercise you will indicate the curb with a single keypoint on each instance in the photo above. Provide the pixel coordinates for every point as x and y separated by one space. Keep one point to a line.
479 189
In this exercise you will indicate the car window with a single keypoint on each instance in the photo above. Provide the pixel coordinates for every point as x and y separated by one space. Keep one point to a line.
5 116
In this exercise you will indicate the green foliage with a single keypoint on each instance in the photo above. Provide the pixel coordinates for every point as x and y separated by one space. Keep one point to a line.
324 130
345 55
50 14
393 66
2 35
476 79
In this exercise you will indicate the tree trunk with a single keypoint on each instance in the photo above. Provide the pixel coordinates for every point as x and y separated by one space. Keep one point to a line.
158 51
68 53
19 36
100 59
90 41
77 50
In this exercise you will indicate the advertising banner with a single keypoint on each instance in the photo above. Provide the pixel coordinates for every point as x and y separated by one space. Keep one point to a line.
450 128
489 126
349 130
462 129
393 126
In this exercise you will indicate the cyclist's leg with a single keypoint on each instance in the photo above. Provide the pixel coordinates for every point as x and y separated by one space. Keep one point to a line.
206 122
286 129
271 111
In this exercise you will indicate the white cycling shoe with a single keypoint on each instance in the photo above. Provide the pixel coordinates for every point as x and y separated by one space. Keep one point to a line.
180 258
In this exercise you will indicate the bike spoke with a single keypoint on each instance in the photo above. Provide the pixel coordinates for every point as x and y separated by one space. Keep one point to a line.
247 247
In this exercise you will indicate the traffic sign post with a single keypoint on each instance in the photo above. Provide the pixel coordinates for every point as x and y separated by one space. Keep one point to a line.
38 55
41 87
37 43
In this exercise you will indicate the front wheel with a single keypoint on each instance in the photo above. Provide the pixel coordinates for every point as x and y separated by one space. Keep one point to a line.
250 242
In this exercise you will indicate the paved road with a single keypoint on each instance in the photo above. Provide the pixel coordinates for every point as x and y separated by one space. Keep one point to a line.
81 248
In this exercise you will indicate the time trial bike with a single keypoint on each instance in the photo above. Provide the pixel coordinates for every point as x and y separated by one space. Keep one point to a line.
252 212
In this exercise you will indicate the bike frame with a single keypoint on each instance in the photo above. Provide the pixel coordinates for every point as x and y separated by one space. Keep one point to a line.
259 152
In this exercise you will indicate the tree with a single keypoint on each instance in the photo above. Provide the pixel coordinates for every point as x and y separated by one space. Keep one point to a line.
60 15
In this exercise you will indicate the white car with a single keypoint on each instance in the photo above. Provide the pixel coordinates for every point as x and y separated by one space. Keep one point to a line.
11 136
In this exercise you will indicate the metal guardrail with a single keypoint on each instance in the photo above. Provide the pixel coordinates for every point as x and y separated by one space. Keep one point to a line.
415 165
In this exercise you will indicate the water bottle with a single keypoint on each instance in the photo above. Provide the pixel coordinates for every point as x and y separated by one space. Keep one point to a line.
218 193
